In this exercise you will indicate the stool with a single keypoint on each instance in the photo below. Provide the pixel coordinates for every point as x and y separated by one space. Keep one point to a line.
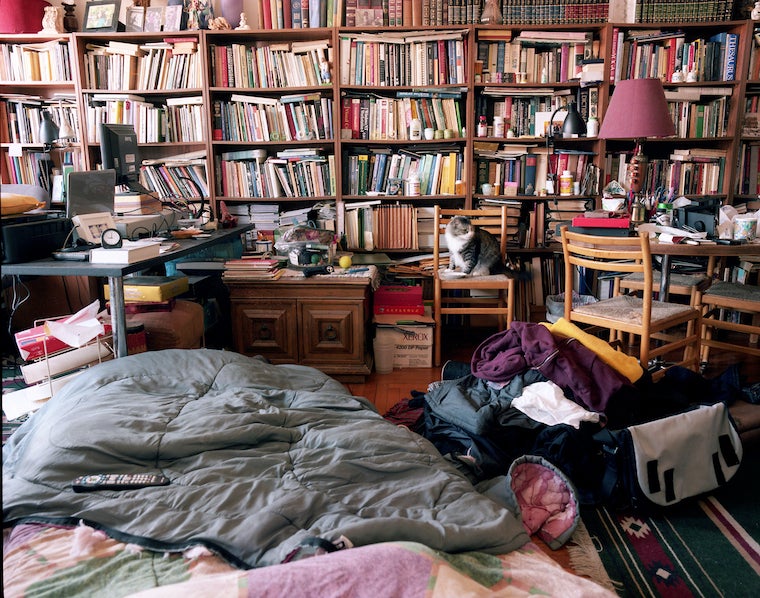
728 297
180 328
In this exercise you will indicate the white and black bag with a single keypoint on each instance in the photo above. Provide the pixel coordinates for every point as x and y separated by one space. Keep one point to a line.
662 462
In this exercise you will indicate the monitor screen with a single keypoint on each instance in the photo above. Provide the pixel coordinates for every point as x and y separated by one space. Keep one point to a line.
119 151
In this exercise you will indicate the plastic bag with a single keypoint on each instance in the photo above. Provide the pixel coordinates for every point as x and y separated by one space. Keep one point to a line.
555 305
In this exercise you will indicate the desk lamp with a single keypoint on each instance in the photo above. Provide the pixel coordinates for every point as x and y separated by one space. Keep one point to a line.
637 109
572 126
49 131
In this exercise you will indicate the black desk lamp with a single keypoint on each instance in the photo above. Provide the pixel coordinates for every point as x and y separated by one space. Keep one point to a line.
572 126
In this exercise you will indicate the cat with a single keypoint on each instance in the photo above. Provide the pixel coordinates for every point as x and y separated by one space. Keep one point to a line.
473 250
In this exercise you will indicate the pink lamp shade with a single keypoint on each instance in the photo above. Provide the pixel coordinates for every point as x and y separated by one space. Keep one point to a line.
637 109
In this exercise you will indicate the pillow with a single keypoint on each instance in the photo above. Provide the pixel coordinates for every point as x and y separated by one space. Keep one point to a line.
16 203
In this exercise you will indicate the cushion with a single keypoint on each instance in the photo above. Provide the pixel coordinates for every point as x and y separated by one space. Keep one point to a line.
16 203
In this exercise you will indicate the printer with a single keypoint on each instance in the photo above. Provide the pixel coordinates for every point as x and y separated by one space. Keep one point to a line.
701 215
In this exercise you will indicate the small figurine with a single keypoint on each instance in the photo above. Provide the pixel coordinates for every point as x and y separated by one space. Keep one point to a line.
677 76
691 77
219 24
324 71
50 21
244 26
755 14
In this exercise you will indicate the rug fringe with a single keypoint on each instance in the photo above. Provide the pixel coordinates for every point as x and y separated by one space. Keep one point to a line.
584 558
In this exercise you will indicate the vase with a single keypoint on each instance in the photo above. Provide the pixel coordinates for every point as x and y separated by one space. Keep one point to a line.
231 10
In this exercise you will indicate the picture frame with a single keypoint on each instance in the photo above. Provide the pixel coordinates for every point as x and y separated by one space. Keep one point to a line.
101 15
135 18
173 17
154 18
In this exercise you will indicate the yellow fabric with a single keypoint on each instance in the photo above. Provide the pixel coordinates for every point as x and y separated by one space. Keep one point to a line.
627 365
14 203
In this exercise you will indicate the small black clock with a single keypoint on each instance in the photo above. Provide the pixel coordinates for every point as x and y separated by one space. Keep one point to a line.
111 239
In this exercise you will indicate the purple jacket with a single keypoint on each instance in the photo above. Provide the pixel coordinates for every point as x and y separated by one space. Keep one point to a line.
583 376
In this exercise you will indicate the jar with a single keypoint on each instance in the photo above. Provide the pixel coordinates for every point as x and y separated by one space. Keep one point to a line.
592 127
413 184
664 214
498 126
415 129
482 127
566 183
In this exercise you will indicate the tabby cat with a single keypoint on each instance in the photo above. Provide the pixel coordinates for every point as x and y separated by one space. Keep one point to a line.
473 250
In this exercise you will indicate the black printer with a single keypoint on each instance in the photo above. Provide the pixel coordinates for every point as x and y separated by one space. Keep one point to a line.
701 215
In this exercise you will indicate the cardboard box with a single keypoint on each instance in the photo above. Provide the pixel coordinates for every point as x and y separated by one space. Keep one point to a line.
412 338
152 288
398 299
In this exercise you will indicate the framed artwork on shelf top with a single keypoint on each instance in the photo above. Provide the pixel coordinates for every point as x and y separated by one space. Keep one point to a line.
154 18
101 15
135 18
173 17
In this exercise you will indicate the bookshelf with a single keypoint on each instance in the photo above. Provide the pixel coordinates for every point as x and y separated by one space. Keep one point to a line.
703 67
295 116
154 82
37 74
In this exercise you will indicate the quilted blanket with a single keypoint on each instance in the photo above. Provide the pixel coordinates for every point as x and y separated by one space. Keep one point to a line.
260 458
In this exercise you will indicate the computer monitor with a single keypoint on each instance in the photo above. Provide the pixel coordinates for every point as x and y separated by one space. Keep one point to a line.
119 151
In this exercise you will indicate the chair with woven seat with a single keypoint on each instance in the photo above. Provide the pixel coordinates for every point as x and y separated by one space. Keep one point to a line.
734 308
657 325
454 294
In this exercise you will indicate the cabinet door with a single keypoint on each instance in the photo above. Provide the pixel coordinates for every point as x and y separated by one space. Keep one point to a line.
266 328
331 332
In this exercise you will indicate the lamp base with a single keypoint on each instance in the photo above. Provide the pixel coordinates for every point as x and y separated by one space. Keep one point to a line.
636 172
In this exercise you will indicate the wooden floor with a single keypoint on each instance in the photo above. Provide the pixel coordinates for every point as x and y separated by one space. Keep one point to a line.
385 390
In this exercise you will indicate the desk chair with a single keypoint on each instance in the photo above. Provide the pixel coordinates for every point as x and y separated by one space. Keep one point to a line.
454 295
733 307
642 317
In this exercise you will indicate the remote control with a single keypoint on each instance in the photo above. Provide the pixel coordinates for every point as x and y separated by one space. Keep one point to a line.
118 481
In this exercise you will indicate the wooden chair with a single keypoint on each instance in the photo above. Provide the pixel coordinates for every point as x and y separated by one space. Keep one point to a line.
648 320
732 307
453 294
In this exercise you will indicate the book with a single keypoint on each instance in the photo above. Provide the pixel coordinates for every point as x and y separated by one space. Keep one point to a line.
129 253
152 288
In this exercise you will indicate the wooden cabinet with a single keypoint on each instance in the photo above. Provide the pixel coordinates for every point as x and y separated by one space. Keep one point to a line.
322 323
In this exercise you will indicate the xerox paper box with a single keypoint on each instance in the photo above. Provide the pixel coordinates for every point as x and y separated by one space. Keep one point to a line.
412 338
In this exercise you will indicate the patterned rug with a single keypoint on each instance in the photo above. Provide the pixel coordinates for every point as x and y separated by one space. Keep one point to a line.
704 547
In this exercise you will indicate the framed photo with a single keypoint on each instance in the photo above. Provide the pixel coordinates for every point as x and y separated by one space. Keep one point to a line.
173 17
135 18
101 15
154 18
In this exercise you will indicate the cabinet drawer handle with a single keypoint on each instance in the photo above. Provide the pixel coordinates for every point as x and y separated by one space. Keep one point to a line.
330 333
265 334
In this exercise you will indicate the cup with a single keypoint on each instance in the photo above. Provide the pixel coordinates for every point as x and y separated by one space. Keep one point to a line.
487 189
383 347
429 133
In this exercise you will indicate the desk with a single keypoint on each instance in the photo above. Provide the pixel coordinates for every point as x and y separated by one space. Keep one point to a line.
668 250
116 272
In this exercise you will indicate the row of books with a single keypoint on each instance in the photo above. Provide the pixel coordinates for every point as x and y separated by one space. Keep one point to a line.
663 11
411 13
380 118
20 118
754 59
290 117
700 120
169 180
638 54
151 66
383 171
46 62
267 65
382 226
554 57
403 59
537 12
748 183
297 14
292 173
177 120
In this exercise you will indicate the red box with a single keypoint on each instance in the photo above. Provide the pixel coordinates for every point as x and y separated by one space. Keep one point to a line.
398 299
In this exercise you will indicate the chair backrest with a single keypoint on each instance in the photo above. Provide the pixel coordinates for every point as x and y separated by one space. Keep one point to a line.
607 254
493 220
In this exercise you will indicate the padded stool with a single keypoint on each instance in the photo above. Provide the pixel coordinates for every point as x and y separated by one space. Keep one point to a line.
180 328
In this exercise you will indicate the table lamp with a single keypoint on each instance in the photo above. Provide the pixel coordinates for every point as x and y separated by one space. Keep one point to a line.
49 131
637 109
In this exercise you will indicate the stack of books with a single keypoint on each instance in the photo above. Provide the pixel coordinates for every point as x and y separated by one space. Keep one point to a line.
249 267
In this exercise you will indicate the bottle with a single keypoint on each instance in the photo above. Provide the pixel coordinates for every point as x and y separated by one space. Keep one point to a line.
566 183
415 129
498 126
664 214
482 127
413 184
592 127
